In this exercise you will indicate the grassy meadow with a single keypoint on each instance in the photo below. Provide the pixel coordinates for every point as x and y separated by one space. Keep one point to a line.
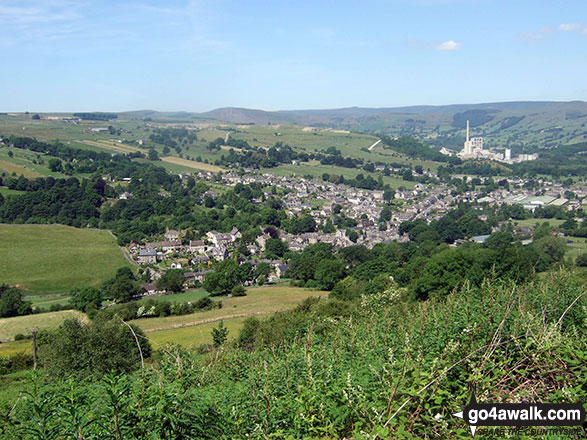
44 259
193 165
46 301
187 330
42 321
188 296
195 329
577 247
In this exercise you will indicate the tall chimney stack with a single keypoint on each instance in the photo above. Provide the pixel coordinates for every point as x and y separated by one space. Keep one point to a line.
467 131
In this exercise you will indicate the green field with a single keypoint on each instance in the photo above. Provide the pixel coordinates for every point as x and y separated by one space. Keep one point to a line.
194 336
41 321
42 259
14 347
576 248
531 222
317 170
24 162
44 302
192 295
195 329
10 192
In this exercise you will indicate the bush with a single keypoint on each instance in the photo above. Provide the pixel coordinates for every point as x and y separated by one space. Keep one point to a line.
238 291
92 350
581 260
21 337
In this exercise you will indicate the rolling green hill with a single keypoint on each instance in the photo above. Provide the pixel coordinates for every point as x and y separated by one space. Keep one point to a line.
44 259
523 124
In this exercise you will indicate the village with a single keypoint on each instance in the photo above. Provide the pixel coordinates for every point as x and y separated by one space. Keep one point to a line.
429 202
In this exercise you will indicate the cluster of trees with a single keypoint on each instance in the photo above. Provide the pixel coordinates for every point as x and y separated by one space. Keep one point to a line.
49 200
96 116
456 224
69 201
228 274
12 302
299 224
122 287
261 158
415 149
173 137
76 160
153 309
425 266
333 156
217 143
473 167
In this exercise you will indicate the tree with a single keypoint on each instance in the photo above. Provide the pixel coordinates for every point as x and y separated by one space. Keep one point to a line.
388 194
226 275
94 349
385 214
329 272
12 303
55 165
86 299
355 255
171 281
581 260
352 235
219 334
275 248
550 250
124 289
153 155
347 289
263 270
242 249
407 175
123 286
328 227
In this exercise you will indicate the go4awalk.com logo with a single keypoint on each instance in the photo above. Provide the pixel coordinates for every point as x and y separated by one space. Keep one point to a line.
521 414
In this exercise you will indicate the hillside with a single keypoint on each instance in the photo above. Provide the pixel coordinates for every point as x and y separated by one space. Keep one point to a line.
43 259
529 124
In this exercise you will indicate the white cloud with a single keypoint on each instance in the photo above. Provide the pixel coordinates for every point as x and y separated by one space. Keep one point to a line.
544 31
530 36
569 27
449 45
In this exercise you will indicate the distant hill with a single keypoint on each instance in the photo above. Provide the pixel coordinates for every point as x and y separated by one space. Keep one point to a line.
521 124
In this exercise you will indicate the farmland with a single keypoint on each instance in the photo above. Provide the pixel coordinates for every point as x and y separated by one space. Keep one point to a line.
192 164
187 330
44 321
44 259
194 330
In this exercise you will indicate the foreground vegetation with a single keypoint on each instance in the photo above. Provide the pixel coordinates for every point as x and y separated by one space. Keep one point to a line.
379 367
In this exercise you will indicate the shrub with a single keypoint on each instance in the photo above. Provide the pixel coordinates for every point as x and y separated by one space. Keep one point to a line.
238 291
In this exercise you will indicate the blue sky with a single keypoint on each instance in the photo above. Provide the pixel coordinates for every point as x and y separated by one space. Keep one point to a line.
70 55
